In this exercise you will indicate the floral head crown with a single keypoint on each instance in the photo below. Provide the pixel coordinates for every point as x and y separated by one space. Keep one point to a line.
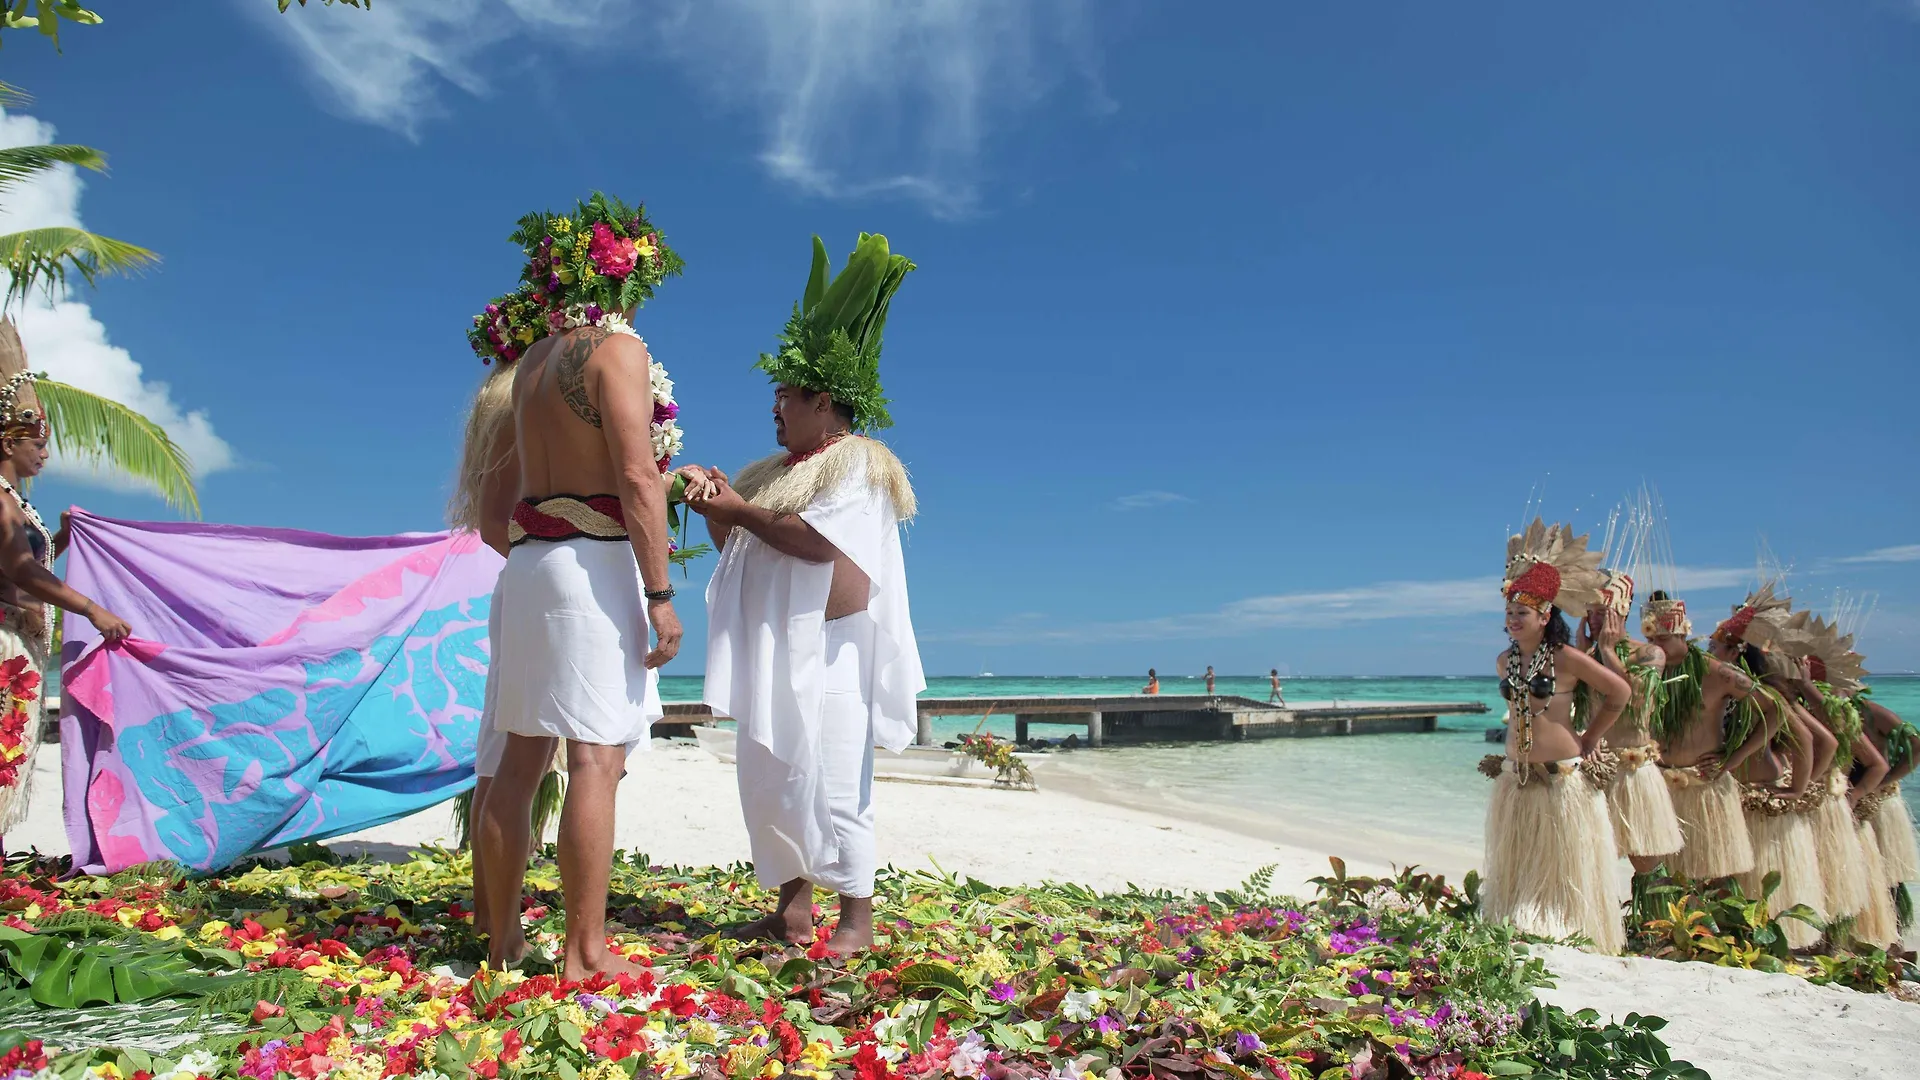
605 257
510 325
15 422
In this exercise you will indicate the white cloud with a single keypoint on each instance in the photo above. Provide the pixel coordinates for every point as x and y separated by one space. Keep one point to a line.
1903 553
856 97
1147 500
1392 600
64 339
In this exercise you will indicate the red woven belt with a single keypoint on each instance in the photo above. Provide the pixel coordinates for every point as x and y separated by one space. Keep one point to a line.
567 517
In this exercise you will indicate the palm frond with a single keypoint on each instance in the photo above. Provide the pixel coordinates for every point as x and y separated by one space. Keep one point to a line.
41 258
20 162
107 433
13 96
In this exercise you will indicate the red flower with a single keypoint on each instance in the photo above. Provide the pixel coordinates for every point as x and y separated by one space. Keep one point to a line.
869 1065
678 999
265 1009
612 255
790 1041
510 1045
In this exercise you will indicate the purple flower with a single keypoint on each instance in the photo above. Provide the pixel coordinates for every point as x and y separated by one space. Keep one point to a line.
1058 938
493 309
596 1002
1245 1044
546 244
594 312
1002 991
1188 955
1105 1024
553 282
1192 983
664 413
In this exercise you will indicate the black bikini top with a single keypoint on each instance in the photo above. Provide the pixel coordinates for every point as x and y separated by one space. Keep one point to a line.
1540 686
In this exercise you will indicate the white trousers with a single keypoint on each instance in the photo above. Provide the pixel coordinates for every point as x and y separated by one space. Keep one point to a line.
492 743
845 762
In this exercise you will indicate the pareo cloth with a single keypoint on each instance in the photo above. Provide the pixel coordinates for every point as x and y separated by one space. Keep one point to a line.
23 670
1550 857
846 774
768 662
491 742
573 639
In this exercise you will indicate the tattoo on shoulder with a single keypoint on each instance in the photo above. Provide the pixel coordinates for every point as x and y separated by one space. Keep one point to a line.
571 371
1737 680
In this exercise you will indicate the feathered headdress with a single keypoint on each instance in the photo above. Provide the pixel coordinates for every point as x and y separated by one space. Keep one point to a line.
21 415
1829 653
1762 620
1629 530
1551 567
1662 614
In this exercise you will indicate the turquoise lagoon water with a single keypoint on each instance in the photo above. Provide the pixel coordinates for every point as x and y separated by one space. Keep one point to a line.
1400 798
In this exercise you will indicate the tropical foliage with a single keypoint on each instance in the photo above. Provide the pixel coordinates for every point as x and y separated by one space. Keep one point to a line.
89 427
360 970
42 258
1717 923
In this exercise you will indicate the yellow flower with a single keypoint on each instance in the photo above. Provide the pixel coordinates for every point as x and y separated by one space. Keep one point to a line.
772 1068
562 225
670 1061
108 1071
32 912
645 251
816 1055
575 1015
605 1069
702 1032
432 1009
359 1067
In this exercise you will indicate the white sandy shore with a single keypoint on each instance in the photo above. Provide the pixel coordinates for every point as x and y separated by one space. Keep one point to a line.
679 806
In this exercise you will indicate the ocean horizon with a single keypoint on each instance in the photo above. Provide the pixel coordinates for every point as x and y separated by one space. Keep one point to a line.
1402 798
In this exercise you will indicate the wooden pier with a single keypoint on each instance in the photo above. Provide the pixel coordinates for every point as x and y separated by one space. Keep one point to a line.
1197 718
1162 718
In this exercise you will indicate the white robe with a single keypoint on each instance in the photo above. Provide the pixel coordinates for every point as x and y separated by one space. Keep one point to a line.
766 656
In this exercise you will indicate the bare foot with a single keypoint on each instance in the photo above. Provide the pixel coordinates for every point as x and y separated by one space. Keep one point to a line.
610 963
793 929
849 939
502 953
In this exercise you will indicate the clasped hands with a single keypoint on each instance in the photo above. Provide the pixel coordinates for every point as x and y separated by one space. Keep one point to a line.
708 492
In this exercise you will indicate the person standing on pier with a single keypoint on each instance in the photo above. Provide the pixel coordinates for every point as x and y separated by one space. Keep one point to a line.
810 644
1275 695
1550 850
1209 680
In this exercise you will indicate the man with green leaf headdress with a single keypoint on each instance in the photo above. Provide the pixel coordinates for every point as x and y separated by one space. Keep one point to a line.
810 643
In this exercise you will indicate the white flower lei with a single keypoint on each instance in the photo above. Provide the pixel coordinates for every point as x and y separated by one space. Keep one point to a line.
668 439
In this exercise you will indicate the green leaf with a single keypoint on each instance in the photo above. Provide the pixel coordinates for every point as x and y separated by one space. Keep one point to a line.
92 980
932 973
1509 1068
569 1033
114 438
53 984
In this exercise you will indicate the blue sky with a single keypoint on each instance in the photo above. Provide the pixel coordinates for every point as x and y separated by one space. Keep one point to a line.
1243 332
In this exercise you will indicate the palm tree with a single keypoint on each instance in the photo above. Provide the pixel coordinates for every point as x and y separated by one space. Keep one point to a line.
42 258
104 432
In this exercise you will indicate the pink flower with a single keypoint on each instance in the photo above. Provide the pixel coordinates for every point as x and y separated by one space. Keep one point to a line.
612 255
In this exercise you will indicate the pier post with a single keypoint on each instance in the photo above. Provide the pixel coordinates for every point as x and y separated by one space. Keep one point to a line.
1096 733
1020 729
923 730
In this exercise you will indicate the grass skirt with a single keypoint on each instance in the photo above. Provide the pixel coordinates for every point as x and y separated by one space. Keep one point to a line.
1712 825
1550 860
1877 924
1642 810
1843 868
1894 829
1785 842
20 712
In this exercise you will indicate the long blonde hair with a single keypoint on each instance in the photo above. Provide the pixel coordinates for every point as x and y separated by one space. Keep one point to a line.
481 454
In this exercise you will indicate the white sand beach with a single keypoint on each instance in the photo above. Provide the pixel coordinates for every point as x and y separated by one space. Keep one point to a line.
679 806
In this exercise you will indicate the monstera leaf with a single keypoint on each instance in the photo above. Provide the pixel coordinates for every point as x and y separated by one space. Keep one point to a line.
73 969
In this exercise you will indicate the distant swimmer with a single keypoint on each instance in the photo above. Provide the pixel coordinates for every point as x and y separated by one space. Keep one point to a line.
1209 680
1276 695
1153 683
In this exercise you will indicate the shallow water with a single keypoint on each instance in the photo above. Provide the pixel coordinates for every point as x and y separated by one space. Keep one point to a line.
1401 798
